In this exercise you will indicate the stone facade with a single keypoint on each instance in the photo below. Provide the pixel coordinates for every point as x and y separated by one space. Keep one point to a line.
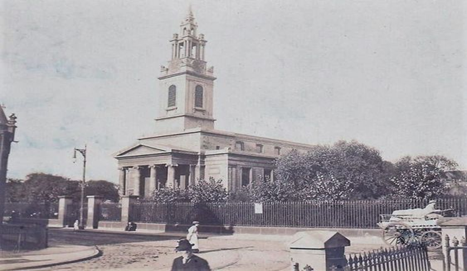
186 147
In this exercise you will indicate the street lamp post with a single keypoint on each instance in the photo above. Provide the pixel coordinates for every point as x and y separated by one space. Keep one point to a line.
83 183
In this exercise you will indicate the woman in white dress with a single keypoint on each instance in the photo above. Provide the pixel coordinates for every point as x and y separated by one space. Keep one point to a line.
192 236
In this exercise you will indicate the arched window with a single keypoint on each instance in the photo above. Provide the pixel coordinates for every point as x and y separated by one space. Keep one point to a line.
172 96
199 96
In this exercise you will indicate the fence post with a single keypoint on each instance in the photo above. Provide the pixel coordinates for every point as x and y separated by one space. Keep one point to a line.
63 203
127 201
94 203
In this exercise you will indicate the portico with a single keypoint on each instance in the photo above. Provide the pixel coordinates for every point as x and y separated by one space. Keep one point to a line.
144 168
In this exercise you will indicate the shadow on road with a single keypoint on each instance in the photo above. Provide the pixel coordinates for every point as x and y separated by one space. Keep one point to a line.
224 249
90 238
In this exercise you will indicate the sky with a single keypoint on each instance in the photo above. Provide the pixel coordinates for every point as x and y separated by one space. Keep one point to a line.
389 74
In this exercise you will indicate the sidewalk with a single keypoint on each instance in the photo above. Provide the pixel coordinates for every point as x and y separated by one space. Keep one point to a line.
46 257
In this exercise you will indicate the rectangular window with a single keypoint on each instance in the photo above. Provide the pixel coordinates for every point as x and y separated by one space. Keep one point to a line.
246 176
259 148
277 150
239 146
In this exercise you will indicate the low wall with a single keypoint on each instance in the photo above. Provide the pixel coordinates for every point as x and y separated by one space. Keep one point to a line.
24 236
160 227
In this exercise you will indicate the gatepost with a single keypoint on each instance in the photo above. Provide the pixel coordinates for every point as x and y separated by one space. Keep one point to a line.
454 227
127 201
94 203
318 249
63 203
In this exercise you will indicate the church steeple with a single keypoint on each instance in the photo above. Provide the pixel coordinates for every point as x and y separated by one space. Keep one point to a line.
187 44
186 83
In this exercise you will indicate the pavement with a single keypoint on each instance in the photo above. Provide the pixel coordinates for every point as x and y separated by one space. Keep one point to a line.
223 252
62 254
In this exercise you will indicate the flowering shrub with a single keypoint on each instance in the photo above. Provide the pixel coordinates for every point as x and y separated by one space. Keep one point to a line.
207 191
203 191
170 195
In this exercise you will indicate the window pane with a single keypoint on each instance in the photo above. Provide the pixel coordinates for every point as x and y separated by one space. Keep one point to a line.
172 96
199 96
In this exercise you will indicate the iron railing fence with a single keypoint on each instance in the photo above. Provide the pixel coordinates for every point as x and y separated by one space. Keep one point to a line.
456 254
110 211
314 214
73 213
32 210
407 258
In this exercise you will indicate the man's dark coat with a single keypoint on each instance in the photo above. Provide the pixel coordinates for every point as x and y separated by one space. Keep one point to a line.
195 263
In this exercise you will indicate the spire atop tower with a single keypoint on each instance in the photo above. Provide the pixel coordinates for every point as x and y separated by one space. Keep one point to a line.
189 17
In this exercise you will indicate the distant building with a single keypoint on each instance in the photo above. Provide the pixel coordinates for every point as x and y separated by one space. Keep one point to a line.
186 147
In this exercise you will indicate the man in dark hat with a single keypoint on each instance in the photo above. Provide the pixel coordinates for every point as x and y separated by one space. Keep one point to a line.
188 261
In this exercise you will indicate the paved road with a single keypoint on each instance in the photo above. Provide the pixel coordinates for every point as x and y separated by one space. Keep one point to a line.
135 251
139 252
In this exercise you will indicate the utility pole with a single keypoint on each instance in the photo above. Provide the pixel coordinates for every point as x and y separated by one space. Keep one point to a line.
83 184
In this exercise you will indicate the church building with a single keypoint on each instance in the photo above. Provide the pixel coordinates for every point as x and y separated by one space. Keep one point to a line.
187 147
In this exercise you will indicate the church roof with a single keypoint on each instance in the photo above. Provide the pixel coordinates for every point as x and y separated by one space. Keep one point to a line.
234 135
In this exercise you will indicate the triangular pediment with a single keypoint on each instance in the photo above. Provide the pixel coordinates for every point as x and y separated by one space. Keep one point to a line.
142 149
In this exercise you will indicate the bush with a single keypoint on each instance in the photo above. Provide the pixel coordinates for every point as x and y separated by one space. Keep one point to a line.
170 195
202 192
211 191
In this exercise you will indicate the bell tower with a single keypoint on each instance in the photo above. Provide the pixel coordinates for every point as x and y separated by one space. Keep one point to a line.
186 84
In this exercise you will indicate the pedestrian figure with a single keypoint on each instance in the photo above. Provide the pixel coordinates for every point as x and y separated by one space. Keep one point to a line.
192 236
188 261
131 226
14 217
76 225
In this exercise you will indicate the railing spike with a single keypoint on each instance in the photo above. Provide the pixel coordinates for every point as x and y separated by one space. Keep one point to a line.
455 242
446 240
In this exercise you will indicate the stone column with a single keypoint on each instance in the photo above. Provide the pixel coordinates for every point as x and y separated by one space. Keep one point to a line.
239 177
271 178
127 201
122 181
136 180
170 175
152 179
202 52
192 175
63 203
94 203
183 181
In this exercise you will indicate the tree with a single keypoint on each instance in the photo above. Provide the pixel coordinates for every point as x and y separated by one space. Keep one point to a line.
327 188
15 191
46 188
272 191
325 169
423 177
103 188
